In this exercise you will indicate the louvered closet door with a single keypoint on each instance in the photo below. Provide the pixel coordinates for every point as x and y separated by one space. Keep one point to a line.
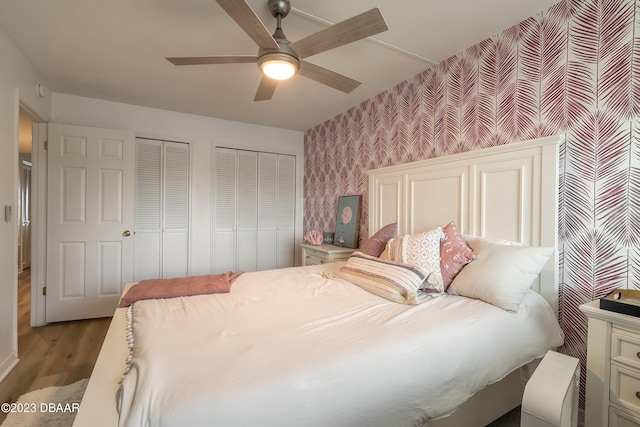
247 233
276 211
285 242
162 209
255 211
267 213
148 210
224 236
175 232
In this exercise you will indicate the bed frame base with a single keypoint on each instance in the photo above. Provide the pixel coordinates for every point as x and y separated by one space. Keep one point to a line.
487 405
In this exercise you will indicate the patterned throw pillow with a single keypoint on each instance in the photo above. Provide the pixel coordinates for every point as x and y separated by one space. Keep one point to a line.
421 249
376 243
396 282
455 253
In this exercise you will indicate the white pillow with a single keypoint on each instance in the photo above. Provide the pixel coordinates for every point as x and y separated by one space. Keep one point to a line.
501 274
470 238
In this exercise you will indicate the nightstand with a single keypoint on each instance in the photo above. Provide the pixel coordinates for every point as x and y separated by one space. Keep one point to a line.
322 254
613 368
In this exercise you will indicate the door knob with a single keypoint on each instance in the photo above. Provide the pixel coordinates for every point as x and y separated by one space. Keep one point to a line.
126 233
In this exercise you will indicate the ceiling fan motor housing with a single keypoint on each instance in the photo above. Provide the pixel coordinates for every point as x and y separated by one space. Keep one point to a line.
285 53
281 7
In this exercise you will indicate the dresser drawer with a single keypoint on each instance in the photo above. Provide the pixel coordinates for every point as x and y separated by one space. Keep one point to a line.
314 253
311 259
625 348
625 387
619 418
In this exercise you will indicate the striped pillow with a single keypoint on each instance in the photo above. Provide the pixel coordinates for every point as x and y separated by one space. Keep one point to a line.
396 282
421 249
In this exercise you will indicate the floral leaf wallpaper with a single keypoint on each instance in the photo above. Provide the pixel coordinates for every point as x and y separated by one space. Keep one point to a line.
573 69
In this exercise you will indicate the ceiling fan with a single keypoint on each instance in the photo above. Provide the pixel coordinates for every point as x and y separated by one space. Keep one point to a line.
279 59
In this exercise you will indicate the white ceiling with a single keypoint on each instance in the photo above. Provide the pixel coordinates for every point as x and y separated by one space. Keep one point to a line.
115 50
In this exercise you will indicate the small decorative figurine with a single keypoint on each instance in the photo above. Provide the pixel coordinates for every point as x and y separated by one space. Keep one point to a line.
313 237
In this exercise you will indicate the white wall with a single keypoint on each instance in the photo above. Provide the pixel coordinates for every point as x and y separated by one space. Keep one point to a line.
203 134
17 85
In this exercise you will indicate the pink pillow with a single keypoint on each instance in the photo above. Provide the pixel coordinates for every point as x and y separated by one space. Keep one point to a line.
179 287
455 253
376 243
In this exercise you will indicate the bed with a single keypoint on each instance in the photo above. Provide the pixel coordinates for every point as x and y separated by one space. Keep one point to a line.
305 346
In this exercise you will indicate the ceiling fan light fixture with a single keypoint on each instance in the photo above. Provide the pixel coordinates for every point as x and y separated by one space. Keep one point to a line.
278 65
278 70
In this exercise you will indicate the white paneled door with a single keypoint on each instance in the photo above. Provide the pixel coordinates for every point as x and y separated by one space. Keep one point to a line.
90 220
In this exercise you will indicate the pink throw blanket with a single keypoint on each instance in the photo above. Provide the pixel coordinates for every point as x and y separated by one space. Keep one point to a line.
179 287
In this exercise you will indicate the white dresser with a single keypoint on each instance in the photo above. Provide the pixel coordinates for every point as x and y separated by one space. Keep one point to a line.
613 368
322 254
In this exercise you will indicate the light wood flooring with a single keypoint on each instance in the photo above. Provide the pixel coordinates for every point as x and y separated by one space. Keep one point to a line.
53 355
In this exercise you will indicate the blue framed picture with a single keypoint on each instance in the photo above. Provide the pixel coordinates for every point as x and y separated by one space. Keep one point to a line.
348 221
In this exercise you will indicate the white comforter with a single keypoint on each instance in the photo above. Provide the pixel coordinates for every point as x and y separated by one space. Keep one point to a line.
295 347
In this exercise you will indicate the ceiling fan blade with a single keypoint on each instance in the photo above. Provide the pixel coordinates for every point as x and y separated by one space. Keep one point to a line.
266 89
247 19
327 77
203 60
350 30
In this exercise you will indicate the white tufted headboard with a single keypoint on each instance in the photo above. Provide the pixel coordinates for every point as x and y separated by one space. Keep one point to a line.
509 191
